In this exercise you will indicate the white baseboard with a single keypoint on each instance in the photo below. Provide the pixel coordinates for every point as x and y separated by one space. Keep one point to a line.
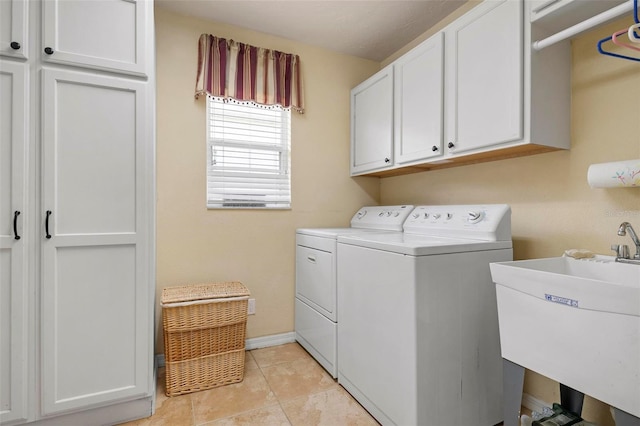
113 414
254 343
267 341
534 404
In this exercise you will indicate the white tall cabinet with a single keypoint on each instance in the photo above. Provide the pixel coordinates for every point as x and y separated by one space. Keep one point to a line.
77 219
14 288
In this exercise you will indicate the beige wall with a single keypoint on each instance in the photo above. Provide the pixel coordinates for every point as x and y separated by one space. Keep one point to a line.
255 247
553 207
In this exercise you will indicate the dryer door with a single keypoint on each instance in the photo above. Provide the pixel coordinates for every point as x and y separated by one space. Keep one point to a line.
316 279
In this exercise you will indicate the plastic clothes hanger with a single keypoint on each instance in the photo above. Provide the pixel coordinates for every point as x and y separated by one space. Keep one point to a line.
636 18
614 38
633 36
615 55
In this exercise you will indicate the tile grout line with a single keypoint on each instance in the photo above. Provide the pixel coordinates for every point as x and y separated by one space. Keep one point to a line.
279 402
193 412
260 367
284 412
306 356
271 389
230 416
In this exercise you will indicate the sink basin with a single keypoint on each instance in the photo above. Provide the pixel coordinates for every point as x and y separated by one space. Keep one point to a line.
574 321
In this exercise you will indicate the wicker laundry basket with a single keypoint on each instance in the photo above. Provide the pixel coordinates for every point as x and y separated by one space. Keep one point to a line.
204 335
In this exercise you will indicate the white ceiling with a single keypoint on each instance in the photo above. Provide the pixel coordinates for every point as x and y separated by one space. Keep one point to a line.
364 28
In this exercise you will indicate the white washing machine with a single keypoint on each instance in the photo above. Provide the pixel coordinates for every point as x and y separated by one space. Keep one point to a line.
418 342
316 284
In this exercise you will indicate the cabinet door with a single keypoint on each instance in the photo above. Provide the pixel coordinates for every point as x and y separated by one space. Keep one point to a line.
485 76
96 289
13 271
418 102
372 123
106 34
13 28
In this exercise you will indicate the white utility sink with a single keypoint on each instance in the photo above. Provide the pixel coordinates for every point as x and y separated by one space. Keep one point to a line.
574 321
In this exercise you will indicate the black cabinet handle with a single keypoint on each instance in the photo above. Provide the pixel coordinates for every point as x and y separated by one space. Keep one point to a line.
46 225
387 160
450 144
15 45
15 225
48 51
434 149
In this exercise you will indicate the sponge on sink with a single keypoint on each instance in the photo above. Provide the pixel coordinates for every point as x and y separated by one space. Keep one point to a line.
579 253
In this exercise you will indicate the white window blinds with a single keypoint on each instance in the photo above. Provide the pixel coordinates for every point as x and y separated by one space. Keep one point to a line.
248 150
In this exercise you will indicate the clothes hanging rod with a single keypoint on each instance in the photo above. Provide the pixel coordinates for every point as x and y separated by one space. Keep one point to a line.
585 25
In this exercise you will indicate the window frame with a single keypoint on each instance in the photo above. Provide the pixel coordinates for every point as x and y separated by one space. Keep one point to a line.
277 195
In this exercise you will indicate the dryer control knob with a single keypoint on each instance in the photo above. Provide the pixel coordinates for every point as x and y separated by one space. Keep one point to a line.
436 215
416 215
474 216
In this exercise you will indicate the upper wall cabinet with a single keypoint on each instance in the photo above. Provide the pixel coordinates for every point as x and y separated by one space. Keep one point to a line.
82 33
372 123
484 77
501 99
397 114
13 28
418 97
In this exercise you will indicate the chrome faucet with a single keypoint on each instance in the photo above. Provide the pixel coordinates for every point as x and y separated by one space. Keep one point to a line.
622 231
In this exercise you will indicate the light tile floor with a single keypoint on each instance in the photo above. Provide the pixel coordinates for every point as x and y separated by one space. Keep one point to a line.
282 385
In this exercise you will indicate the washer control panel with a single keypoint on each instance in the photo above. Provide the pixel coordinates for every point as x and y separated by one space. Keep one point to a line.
381 217
422 214
489 221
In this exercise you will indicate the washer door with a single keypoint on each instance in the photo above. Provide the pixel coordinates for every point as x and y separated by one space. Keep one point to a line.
316 280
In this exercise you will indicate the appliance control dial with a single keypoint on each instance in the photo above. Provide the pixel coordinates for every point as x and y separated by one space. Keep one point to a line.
436 215
361 214
474 216
449 216
416 215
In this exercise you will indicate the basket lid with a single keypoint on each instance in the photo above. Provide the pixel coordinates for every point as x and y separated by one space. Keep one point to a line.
191 292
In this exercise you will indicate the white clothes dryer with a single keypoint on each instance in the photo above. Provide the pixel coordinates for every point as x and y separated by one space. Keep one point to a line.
316 320
418 342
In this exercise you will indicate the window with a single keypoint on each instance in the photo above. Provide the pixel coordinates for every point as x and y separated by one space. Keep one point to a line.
248 150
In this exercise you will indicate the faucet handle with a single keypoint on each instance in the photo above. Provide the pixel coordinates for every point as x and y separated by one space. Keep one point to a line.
622 250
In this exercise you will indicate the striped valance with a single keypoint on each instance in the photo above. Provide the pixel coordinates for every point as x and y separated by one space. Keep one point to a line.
230 69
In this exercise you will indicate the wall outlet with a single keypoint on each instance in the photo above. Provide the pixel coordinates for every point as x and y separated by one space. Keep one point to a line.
251 307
